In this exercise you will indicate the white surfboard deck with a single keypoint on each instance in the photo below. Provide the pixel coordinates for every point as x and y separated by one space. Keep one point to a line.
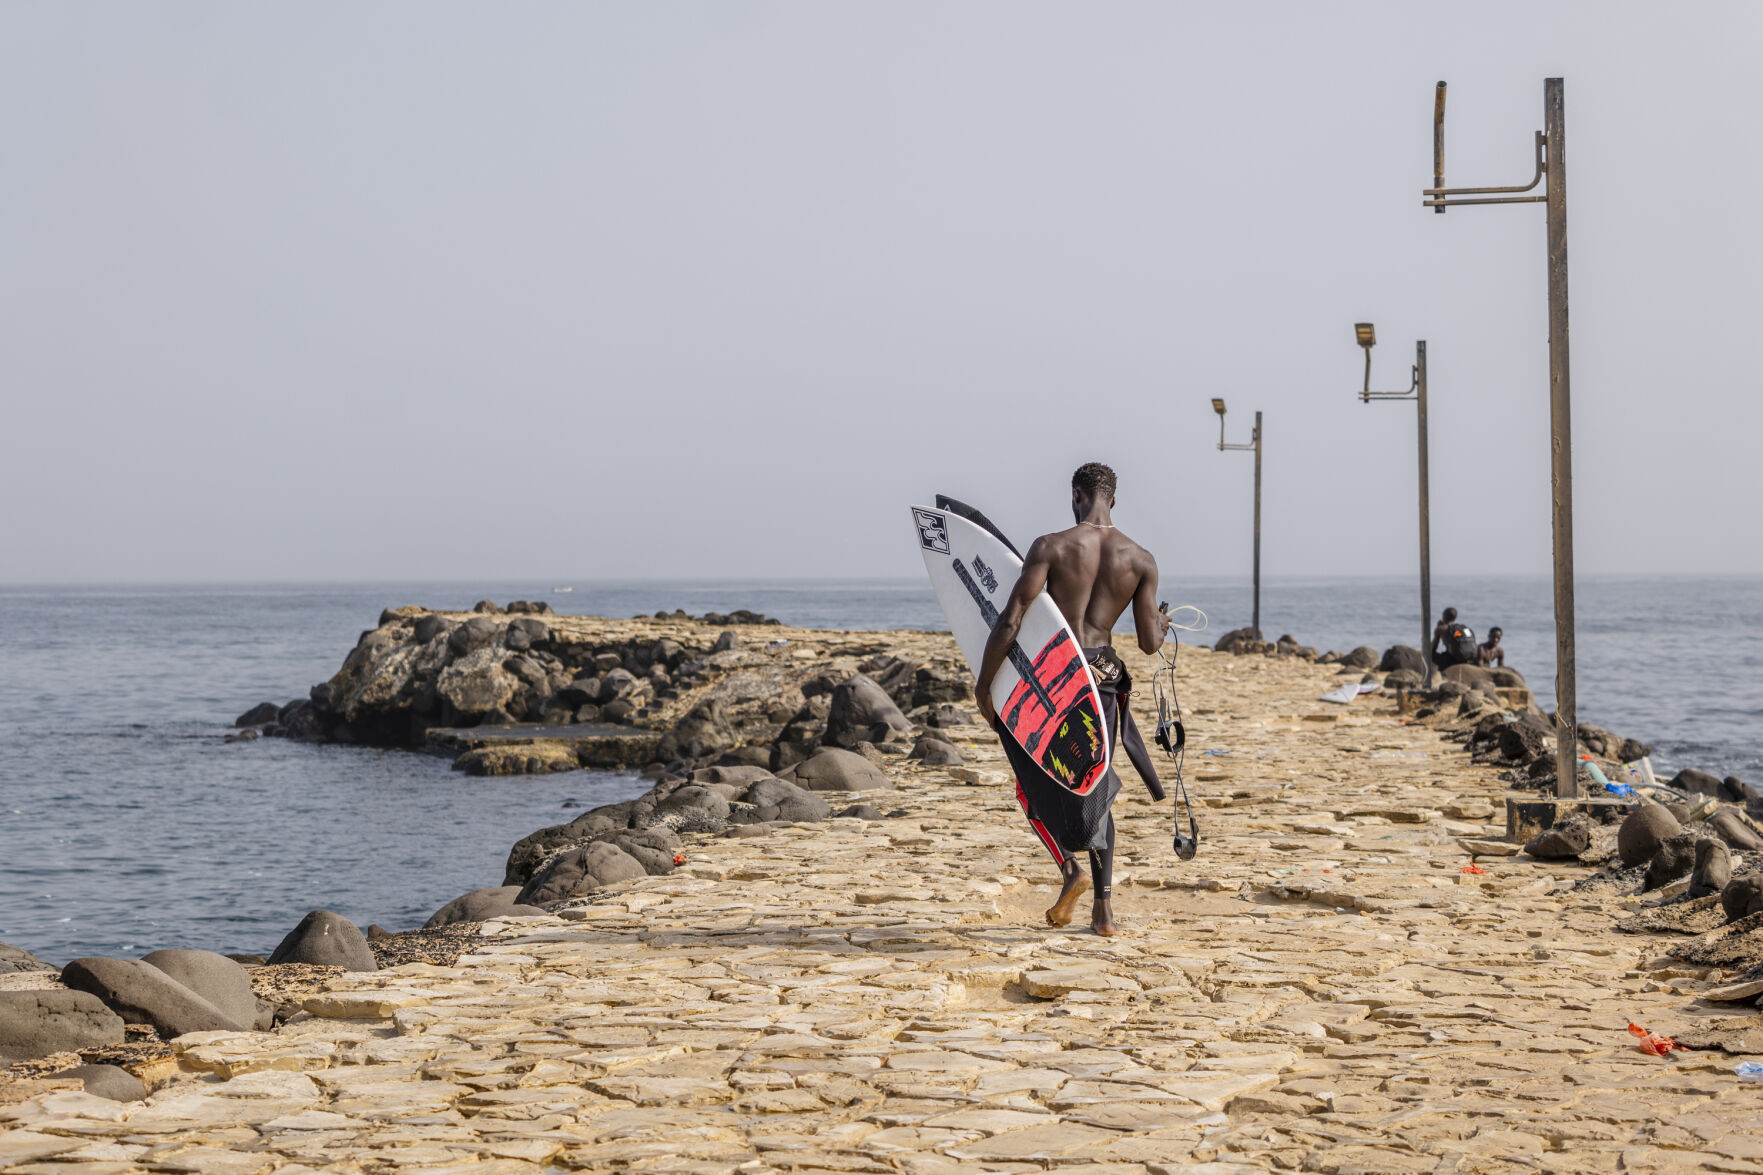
1044 692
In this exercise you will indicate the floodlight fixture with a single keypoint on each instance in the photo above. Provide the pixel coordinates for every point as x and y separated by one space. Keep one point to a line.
1366 333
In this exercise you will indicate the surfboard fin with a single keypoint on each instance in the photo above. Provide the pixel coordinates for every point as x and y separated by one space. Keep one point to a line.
945 502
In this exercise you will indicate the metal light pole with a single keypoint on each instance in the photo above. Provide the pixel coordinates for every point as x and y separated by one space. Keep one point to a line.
1367 338
1551 161
1255 444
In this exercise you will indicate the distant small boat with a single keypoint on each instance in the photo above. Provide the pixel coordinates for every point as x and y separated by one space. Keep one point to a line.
565 589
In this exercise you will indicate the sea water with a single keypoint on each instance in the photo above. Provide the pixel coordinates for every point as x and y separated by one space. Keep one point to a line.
127 824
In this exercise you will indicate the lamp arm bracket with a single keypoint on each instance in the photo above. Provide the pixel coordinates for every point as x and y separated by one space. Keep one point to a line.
1439 194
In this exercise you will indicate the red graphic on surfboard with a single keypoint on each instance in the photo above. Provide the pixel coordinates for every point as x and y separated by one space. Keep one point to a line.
1066 738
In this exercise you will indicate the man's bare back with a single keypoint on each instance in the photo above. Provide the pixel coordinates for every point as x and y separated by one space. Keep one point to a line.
1093 574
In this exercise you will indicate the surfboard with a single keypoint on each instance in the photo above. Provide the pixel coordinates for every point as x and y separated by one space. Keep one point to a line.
1045 694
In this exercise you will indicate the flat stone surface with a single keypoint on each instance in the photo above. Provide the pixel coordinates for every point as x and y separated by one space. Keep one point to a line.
1321 989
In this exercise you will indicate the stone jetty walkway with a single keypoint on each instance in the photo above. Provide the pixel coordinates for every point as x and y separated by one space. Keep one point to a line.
1323 989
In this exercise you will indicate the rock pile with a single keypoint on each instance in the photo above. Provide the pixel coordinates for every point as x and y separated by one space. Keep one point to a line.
617 842
563 692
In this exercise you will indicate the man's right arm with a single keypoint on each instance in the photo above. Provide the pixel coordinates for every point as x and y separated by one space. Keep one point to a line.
1148 620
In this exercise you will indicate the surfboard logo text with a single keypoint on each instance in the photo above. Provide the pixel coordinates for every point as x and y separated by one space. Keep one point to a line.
933 531
986 576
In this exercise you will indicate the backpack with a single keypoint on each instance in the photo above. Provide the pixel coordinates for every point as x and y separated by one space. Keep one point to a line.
1460 640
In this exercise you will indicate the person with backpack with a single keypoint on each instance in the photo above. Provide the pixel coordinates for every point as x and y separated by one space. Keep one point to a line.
1453 643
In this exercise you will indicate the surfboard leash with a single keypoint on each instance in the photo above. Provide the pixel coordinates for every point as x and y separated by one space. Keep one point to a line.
1172 734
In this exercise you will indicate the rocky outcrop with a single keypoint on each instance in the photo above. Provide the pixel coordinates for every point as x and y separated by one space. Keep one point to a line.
17 959
832 769
1399 657
327 940
861 711
579 871
59 1020
1643 831
216 979
481 905
527 758
143 994
1566 838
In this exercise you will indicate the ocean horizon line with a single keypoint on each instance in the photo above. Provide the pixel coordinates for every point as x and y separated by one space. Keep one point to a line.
563 585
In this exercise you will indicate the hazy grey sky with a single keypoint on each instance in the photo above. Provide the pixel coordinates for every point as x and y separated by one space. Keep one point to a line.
438 290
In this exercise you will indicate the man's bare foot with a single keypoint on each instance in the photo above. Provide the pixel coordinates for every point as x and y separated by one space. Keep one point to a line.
1102 918
1060 912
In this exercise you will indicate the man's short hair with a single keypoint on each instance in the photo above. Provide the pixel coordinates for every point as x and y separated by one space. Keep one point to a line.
1496 632
1093 480
1450 615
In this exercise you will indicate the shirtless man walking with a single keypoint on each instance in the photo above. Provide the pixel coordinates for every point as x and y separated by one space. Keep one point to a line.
1093 572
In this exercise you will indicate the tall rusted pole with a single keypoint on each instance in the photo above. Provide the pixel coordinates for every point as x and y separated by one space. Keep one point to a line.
1257 621
1425 515
1561 446
1438 148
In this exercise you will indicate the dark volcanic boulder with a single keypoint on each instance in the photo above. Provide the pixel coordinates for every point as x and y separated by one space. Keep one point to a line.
698 796
1676 858
143 994
1641 834
862 711
574 872
617 684
216 979
704 731
1742 897
36 1023
1239 640
1506 744
473 635
583 691
1739 792
655 849
524 632
260 715
1713 868
936 753
1399 657
107 1081
1697 783
742 774
1363 657
480 905
16 959
1731 828
934 685
1566 838
1402 679
1509 678
1473 676
832 769
326 939
777 799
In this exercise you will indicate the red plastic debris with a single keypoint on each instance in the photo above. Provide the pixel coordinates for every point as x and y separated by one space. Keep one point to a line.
1472 869
679 858
1652 1043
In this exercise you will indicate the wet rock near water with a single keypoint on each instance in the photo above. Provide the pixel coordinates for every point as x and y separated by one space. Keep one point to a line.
143 994
481 905
42 1022
17 960
325 939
